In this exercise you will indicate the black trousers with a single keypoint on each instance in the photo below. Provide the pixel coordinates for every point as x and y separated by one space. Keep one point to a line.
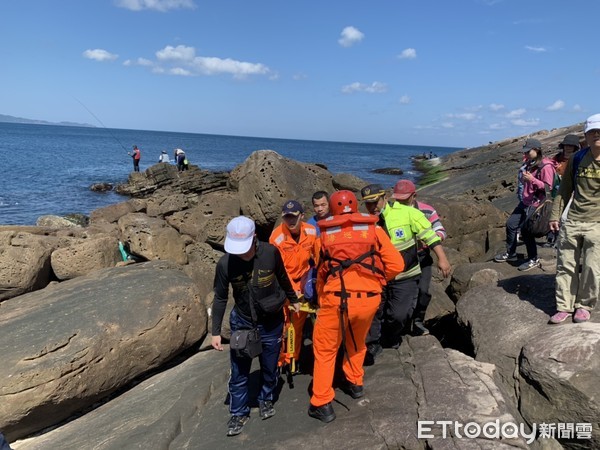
426 262
398 302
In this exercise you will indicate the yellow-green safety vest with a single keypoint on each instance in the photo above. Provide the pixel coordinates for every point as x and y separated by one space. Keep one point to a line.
406 226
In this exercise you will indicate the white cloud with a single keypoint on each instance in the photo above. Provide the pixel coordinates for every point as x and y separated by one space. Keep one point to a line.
180 71
211 65
536 49
474 108
99 55
558 104
374 88
350 36
182 60
179 53
516 113
299 77
497 126
577 108
463 116
496 107
156 5
408 53
447 125
139 62
525 122
404 100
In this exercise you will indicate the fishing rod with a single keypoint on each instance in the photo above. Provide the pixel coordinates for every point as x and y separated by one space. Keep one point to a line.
100 122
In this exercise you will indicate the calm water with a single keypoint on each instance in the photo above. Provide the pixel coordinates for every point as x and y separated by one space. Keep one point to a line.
48 169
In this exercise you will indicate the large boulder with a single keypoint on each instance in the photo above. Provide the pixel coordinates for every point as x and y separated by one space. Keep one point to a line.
266 179
85 256
202 261
152 238
560 370
349 182
472 226
159 413
199 221
162 205
112 213
54 222
500 324
164 179
453 386
69 345
24 262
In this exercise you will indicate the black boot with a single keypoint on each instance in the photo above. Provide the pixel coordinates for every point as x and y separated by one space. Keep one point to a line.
323 413
353 390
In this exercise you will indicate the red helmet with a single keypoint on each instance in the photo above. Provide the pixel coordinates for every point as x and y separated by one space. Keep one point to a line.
343 202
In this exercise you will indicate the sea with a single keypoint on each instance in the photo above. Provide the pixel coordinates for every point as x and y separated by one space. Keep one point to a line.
48 169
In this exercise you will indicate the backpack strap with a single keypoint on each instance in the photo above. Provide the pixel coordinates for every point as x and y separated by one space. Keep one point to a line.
577 158
547 188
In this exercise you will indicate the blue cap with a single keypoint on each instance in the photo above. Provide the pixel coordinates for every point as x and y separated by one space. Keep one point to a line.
292 207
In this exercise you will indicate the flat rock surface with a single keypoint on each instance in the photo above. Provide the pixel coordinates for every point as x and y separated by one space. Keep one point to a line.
185 408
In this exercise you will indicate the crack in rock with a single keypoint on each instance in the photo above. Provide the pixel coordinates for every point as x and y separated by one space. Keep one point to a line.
51 349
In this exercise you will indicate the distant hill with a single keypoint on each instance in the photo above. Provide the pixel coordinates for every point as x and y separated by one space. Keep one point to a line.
13 119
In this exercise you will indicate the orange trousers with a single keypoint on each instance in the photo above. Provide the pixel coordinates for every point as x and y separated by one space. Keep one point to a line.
327 337
295 319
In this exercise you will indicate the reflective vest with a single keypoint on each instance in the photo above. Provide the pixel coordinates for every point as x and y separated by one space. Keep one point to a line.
406 226
349 243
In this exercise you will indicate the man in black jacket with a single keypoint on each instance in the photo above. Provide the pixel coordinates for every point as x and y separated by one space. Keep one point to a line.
256 273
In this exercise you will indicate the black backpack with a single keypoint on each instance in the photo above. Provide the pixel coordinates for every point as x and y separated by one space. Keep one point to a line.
537 223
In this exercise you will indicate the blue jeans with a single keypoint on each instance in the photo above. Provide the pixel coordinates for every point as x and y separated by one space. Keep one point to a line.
3 444
271 334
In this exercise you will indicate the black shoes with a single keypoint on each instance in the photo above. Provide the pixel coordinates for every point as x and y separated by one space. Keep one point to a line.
374 349
323 413
266 409
236 424
353 390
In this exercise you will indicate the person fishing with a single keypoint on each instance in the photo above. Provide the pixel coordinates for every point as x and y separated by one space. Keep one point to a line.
164 157
180 159
136 155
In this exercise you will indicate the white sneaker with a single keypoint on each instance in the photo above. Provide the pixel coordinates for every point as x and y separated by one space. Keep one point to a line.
531 264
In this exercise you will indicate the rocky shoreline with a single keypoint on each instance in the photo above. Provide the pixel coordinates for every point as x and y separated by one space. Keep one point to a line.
80 324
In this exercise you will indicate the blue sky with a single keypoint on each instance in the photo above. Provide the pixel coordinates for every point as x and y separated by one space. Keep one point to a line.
454 73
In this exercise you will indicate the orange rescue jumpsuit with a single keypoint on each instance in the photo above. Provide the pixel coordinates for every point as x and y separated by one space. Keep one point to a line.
364 297
296 257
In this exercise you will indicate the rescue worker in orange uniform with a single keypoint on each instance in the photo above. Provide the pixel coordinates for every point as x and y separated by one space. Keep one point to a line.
357 259
299 248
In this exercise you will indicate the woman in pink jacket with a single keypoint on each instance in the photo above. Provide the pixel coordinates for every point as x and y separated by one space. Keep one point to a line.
536 178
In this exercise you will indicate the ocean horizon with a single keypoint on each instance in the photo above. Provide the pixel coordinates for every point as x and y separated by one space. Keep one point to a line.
48 169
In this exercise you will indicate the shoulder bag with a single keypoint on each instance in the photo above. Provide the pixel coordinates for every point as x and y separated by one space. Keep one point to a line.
247 343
